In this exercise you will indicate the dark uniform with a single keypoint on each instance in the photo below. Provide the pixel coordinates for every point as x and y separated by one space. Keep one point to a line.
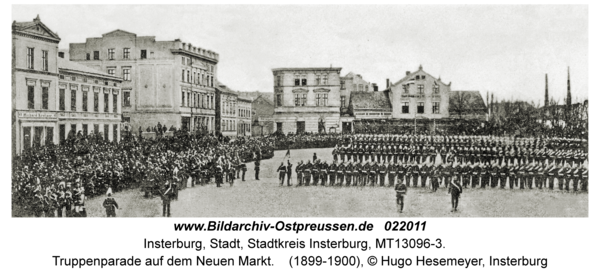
382 172
455 190
299 170
400 192
256 168
333 168
282 171
110 205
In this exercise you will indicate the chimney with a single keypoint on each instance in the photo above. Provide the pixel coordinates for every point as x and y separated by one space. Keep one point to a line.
407 73
568 89
387 83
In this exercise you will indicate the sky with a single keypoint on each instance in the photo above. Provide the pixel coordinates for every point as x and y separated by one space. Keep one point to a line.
504 50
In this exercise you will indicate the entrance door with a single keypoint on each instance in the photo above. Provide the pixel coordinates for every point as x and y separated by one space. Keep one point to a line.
185 123
300 127
280 127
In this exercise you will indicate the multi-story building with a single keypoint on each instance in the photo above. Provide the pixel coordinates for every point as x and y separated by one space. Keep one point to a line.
419 95
89 101
34 84
171 82
352 83
307 99
226 111
244 116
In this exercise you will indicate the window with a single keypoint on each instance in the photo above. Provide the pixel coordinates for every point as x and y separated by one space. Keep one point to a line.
111 54
85 129
143 54
96 55
304 81
318 80
61 133
30 97
105 102
278 100
418 77
436 88
322 99
404 107
296 82
405 87
126 98
61 99
44 97
436 108
183 98
187 102
422 77
420 107
183 60
343 101
126 53
73 100
183 75
325 80
105 132
188 76
278 80
114 103
30 58
280 127
44 60
343 84
111 71
96 128
84 101
127 74
87 56
96 103
360 87
420 88
194 77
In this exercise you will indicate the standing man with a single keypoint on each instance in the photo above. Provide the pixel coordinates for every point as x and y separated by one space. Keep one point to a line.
282 170
256 168
400 189
299 170
455 190
166 199
110 205
314 157
244 169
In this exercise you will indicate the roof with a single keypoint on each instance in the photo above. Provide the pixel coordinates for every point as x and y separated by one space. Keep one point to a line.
370 100
119 32
474 102
65 64
32 28
223 88
256 94
308 68
412 74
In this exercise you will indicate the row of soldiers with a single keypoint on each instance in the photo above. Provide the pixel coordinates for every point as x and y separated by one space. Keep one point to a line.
466 141
419 153
468 175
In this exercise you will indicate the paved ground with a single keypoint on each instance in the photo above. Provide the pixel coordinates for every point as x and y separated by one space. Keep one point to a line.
265 198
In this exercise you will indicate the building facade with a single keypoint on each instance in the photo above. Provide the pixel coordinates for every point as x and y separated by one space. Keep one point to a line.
352 83
419 95
244 116
34 80
171 82
226 111
307 99
89 101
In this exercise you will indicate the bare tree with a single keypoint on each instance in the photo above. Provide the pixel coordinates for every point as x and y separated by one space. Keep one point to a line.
459 103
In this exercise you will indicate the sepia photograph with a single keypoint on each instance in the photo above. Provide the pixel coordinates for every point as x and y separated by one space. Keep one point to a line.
299 111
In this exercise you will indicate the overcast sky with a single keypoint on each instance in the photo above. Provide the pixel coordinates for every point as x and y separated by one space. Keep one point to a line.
501 49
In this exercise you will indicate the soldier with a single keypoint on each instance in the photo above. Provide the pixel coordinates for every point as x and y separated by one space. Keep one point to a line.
503 175
401 190
166 196
540 180
494 170
219 175
465 176
584 178
299 170
447 173
382 170
323 173
476 170
364 173
531 171
306 172
455 190
315 172
373 169
243 168
576 177
333 168
401 169
340 174
256 168
521 172
356 173
391 171
282 170
110 205
568 176
348 170
435 178
289 173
